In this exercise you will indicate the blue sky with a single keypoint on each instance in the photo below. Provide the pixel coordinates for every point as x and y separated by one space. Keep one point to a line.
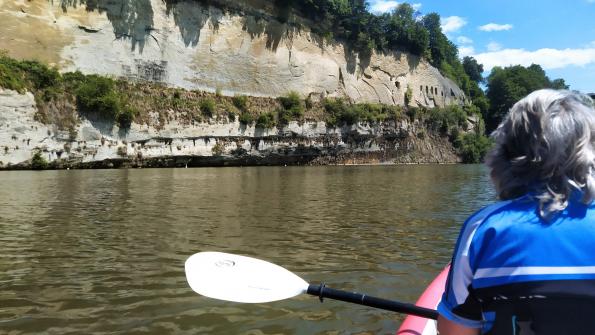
558 35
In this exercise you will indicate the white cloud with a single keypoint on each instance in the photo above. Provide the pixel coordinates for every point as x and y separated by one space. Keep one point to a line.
547 58
495 27
494 46
466 51
464 40
452 24
383 6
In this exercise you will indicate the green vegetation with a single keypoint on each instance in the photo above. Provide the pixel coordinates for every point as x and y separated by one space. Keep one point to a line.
472 147
26 75
473 69
291 100
126 116
207 107
339 113
94 94
403 29
508 85
292 108
351 21
38 162
246 118
241 102
445 119
11 77
97 94
265 120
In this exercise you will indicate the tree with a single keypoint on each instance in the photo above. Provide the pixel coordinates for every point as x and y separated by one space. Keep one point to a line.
438 43
559 84
473 69
404 32
508 85
38 162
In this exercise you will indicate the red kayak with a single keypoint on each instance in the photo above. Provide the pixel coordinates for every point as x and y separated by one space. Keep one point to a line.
415 325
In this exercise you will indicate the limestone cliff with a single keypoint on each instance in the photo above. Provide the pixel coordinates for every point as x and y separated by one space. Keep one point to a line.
189 45
98 144
194 46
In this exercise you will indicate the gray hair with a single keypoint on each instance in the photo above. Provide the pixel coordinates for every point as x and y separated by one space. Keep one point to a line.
546 145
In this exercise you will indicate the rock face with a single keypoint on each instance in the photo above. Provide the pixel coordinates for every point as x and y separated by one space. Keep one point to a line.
189 45
194 46
96 144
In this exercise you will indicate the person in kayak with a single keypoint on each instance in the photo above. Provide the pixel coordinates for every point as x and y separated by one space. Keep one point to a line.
526 265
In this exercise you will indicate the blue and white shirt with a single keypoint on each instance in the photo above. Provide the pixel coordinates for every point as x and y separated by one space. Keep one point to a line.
515 273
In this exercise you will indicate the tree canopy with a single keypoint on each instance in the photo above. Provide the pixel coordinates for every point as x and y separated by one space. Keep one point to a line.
473 69
402 29
508 85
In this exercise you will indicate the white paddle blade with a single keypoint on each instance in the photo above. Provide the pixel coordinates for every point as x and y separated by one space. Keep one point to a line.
241 279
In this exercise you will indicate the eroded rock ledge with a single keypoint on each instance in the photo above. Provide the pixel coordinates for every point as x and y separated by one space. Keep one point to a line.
103 145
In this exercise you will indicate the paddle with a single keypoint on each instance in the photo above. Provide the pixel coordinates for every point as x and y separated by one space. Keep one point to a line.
249 280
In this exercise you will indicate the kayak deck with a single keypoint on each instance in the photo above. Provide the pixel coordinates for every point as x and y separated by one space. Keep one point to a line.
415 325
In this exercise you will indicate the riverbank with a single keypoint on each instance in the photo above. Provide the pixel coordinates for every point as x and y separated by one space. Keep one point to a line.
28 143
71 120
170 139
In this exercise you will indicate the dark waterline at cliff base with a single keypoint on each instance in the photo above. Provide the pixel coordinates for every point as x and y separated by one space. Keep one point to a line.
102 251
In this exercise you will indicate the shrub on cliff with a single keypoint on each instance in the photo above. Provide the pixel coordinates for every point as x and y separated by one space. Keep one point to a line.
265 120
97 94
339 113
246 118
292 108
38 162
473 147
26 75
443 119
11 79
40 75
334 108
413 113
207 107
126 116
291 100
241 102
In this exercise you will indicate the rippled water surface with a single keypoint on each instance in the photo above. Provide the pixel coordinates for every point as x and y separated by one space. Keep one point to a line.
103 251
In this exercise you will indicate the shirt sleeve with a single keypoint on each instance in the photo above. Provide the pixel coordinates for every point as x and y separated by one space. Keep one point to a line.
466 313
458 302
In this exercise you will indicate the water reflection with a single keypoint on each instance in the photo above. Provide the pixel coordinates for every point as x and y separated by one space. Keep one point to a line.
103 251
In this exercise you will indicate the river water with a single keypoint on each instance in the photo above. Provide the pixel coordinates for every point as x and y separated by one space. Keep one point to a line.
103 251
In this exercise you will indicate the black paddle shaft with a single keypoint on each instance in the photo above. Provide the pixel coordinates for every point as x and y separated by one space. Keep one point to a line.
322 291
